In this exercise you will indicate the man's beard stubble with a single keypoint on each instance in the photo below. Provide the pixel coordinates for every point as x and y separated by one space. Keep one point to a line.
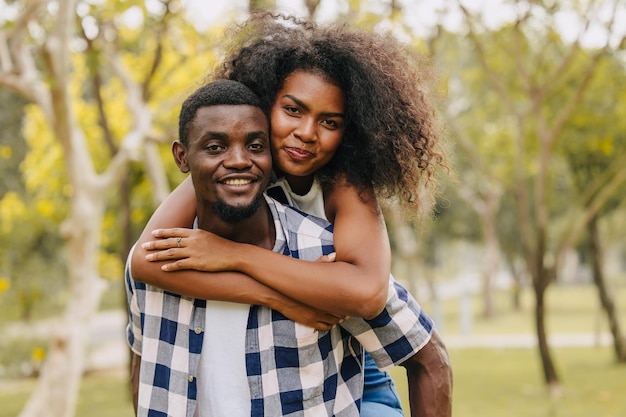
233 214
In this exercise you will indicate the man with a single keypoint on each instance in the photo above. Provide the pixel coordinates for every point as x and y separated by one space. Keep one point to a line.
251 360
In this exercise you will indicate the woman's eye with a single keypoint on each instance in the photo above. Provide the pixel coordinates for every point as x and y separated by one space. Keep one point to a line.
331 123
292 109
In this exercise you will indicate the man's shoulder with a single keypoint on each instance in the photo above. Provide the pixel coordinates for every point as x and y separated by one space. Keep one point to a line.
296 221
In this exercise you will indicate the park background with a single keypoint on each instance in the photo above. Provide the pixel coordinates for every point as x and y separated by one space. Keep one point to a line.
522 265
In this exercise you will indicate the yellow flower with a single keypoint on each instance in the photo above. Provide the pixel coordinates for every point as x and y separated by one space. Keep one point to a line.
6 152
38 354
5 284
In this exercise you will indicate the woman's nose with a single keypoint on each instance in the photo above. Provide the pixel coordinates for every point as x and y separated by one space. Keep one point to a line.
306 130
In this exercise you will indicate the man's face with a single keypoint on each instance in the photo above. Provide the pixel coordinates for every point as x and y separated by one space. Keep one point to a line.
229 159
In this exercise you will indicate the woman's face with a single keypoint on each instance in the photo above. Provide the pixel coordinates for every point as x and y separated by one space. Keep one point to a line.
307 124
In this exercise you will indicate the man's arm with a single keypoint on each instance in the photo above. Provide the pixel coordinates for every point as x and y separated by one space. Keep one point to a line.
429 374
135 364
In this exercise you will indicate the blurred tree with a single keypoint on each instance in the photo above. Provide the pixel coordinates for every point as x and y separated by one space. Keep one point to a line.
595 150
535 84
29 226
12 148
102 80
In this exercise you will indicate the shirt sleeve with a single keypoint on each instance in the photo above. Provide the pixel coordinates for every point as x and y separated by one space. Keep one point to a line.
397 333
134 335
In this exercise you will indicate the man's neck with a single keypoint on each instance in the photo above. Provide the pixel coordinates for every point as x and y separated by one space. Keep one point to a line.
256 230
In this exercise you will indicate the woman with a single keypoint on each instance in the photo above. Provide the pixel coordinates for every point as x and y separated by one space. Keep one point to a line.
350 124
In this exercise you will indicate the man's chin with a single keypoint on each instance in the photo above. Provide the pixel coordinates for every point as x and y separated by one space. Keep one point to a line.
236 213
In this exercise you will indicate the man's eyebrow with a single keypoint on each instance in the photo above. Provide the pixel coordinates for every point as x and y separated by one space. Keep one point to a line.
214 135
305 107
257 133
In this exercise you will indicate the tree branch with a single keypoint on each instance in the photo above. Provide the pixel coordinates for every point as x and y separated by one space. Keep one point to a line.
142 117
496 81
18 71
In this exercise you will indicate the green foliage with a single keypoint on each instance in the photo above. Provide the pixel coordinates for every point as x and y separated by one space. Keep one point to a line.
594 137
12 149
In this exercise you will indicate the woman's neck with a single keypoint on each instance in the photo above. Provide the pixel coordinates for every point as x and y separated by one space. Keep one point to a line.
300 185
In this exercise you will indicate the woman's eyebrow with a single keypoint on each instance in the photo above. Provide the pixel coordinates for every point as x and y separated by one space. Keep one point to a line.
305 107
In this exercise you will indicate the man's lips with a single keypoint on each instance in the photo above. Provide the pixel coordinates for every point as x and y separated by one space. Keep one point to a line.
237 181
298 153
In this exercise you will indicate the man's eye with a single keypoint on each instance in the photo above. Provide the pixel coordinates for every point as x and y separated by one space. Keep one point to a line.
214 148
256 147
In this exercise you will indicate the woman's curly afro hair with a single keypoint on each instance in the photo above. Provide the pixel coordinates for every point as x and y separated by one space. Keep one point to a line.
391 139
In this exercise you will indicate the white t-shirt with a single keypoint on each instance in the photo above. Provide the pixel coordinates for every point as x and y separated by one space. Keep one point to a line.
222 382
311 202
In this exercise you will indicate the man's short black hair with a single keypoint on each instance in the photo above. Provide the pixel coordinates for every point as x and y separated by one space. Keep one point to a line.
215 93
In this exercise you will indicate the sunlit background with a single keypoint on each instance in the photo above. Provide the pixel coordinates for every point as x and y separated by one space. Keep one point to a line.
522 264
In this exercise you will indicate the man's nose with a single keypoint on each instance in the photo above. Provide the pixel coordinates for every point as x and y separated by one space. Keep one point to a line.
237 158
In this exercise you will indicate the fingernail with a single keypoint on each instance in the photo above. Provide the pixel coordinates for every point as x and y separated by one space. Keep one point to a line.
332 256
149 257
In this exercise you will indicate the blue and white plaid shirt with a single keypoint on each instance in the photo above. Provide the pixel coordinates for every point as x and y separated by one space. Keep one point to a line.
317 375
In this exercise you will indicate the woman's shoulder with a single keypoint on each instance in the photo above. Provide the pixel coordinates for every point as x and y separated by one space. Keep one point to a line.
344 196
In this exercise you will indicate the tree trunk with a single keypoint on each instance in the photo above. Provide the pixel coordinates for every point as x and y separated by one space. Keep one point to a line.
492 249
516 274
549 370
606 298
542 277
57 387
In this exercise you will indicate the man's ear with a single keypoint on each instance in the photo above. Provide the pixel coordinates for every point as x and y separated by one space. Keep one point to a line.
180 156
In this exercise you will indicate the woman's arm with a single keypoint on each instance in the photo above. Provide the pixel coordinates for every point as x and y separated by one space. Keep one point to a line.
179 209
354 285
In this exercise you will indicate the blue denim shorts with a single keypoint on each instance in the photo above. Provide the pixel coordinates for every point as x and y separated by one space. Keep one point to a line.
380 398
381 401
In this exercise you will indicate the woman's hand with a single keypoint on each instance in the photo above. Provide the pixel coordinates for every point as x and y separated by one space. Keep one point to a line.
191 249
309 316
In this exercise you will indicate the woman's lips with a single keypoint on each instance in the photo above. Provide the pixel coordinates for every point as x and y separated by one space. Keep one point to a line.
298 154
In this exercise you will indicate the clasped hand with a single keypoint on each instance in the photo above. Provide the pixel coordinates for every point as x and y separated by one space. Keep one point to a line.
191 249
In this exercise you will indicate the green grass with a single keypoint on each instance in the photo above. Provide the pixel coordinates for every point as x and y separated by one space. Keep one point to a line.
570 309
507 382
101 395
